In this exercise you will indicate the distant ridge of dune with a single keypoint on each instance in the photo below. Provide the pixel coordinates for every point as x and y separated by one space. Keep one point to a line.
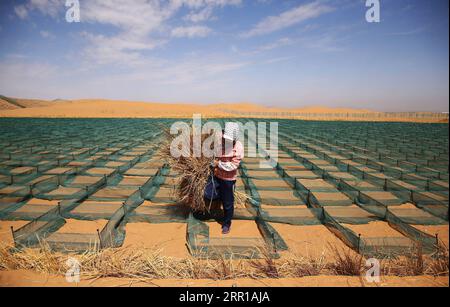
5 105
8 103
102 108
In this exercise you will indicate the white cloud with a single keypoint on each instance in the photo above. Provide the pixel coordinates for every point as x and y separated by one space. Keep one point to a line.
202 10
278 60
152 79
192 31
46 34
46 7
122 49
325 43
21 11
189 72
288 18
285 41
141 25
202 15
411 32
139 17
20 66
279 43
24 78
203 3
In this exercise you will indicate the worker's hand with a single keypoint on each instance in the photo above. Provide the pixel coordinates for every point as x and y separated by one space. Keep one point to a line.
215 163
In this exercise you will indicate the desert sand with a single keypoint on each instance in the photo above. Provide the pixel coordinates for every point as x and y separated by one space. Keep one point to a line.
239 229
17 103
441 230
118 109
5 230
374 229
31 279
312 241
77 226
169 238
4 105
101 108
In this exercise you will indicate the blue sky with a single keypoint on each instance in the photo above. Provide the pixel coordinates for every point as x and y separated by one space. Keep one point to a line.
272 52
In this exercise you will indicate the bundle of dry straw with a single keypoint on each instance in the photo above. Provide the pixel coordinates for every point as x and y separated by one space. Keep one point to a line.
193 174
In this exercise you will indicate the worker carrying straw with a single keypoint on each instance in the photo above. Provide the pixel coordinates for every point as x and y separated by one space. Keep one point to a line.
228 157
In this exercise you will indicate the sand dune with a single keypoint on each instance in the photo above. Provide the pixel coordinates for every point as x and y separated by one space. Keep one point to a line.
34 103
100 108
113 108
7 103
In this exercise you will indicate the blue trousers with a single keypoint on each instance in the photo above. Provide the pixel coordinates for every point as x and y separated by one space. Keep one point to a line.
226 189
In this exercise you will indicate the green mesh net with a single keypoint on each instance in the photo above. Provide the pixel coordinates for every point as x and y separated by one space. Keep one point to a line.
325 173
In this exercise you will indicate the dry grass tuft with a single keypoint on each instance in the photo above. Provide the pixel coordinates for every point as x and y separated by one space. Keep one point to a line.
439 264
308 266
346 262
415 263
266 267
138 263
40 260
147 264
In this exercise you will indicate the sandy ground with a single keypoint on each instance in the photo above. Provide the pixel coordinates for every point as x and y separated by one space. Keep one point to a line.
25 103
94 108
283 207
261 184
78 226
278 195
331 196
239 229
405 206
64 191
441 230
90 207
37 201
308 241
380 196
4 105
347 211
115 108
35 207
133 180
5 230
30 279
374 229
170 238
115 193
315 183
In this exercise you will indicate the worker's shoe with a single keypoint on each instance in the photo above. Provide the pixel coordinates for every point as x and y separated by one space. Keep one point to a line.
226 230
